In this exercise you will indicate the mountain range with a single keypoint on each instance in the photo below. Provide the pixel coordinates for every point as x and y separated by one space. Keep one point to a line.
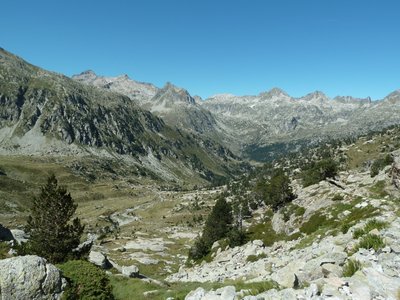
45 113
166 131
252 125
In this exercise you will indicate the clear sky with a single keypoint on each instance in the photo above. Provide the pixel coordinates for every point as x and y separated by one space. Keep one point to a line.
340 47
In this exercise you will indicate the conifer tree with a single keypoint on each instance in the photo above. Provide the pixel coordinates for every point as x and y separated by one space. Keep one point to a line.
53 235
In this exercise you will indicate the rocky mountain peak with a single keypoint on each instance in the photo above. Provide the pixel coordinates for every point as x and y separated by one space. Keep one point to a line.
274 93
85 75
317 95
172 94
393 97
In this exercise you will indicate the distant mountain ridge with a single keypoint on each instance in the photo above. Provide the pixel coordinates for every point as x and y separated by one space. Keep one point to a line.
247 122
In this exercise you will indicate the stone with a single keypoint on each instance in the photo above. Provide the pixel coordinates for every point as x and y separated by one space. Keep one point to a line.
130 271
311 291
228 293
332 270
374 232
258 243
19 235
215 245
286 276
30 277
197 294
99 259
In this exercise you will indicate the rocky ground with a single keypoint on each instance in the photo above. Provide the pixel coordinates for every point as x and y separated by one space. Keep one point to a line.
344 241
316 267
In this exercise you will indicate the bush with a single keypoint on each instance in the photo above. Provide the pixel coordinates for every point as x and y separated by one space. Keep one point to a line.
316 172
313 224
236 237
86 281
199 249
337 197
379 164
253 258
351 267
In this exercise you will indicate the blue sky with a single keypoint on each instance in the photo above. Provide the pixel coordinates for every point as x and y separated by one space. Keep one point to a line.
341 47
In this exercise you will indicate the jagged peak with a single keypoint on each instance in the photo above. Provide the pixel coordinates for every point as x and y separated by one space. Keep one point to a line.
85 74
175 94
393 96
274 92
315 95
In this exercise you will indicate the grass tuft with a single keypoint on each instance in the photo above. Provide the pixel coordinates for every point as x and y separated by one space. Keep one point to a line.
351 267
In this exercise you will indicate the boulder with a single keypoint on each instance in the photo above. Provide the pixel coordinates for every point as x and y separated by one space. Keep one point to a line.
332 270
227 292
99 259
19 235
30 277
395 173
286 276
130 271
197 294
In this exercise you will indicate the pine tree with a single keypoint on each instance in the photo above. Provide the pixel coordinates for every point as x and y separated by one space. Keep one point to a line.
53 235
218 223
278 191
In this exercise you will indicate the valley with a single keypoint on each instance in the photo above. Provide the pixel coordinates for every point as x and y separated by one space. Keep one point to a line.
310 185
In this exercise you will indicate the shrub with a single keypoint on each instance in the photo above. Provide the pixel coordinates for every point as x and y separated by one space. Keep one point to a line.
86 281
313 224
316 172
379 164
351 267
199 249
236 237
337 197
253 258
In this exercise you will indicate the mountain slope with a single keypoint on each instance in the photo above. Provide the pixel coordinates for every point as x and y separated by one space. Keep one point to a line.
47 113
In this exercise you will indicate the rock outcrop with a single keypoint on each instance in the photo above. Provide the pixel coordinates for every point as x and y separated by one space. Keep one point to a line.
30 277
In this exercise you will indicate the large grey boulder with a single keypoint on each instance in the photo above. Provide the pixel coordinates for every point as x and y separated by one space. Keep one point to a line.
99 259
29 277
130 271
